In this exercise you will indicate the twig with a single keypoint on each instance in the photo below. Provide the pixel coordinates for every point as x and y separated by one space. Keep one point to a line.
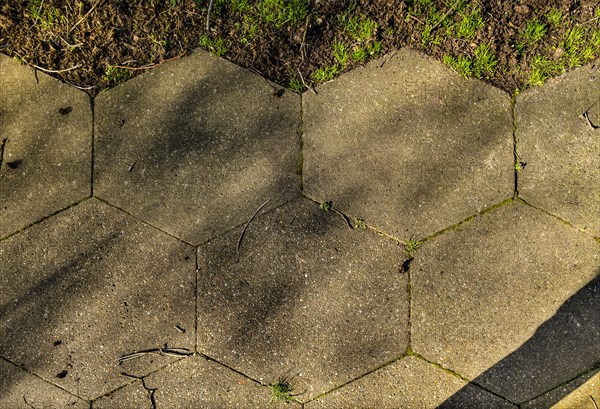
45 69
147 66
303 43
208 15
304 82
27 403
416 19
594 401
389 58
85 16
587 118
450 10
346 218
239 243
156 351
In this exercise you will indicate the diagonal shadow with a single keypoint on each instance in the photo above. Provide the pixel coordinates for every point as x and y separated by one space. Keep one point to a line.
564 347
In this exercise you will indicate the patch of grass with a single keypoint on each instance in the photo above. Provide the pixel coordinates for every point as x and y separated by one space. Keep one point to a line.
295 84
240 6
217 46
411 246
325 74
362 29
44 15
249 29
325 206
360 224
554 16
116 75
340 53
535 31
470 24
483 63
359 55
281 12
543 68
282 390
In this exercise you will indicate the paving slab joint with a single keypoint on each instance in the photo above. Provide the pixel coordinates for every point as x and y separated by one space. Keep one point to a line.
385 364
594 368
459 376
563 221
518 164
92 108
45 218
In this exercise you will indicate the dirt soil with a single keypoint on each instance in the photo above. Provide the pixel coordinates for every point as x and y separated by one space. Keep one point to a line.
95 44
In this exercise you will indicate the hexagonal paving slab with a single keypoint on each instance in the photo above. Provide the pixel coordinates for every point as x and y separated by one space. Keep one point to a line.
309 298
195 146
559 147
21 390
408 145
509 300
408 383
87 286
45 146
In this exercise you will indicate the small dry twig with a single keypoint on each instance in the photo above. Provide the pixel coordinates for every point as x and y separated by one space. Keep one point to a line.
208 15
587 118
304 82
156 351
147 66
239 243
303 44
594 401
45 69
85 16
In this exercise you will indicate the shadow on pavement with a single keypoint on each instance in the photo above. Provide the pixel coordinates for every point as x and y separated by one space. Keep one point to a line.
562 348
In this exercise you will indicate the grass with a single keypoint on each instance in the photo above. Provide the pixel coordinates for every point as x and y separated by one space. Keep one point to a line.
411 246
482 64
44 15
217 46
470 24
279 12
116 75
281 391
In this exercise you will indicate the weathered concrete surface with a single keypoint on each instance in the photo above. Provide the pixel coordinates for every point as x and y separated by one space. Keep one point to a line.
195 146
581 393
131 396
509 300
560 148
198 383
309 297
408 383
87 286
45 146
21 390
409 146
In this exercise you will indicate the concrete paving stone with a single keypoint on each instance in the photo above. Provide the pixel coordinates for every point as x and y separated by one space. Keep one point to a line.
45 146
86 286
196 382
21 390
407 383
560 148
131 396
195 146
309 299
509 300
410 146
581 393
